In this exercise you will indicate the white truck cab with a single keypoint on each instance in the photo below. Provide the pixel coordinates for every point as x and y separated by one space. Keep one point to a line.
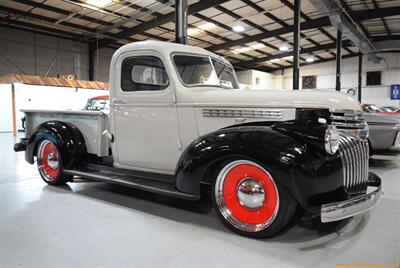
178 120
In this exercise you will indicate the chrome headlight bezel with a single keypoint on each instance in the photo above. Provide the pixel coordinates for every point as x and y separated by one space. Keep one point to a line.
332 140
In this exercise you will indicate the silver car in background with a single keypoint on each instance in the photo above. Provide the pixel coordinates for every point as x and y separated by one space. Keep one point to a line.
384 133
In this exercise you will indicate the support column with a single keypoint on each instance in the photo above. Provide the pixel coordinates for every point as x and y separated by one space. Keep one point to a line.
338 58
14 112
181 10
296 46
91 61
360 57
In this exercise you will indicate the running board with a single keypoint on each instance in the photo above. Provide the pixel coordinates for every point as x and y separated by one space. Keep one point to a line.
158 187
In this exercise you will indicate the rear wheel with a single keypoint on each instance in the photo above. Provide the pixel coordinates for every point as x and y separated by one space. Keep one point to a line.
249 201
50 165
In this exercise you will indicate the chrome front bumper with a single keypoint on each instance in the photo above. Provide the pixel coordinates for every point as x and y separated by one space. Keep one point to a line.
356 205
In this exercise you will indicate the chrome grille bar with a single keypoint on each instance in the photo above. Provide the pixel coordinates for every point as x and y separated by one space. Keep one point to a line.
348 119
354 153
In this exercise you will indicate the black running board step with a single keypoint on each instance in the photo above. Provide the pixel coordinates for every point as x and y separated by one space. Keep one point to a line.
132 182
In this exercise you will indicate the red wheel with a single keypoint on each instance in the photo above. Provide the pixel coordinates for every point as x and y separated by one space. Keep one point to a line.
50 163
247 198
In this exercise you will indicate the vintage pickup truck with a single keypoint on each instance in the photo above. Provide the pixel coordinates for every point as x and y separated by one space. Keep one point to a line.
178 124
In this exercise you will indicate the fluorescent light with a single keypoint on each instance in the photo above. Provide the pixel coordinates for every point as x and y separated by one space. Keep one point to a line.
98 3
238 28
245 49
192 31
241 50
284 47
275 60
257 46
287 58
207 26
310 59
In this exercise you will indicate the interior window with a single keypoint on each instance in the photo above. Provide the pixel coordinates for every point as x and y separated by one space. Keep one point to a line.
225 75
195 70
145 73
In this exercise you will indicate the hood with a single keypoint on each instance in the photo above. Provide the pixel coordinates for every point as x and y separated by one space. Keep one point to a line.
271 98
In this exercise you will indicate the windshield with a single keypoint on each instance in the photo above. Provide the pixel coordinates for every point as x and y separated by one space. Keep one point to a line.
201 70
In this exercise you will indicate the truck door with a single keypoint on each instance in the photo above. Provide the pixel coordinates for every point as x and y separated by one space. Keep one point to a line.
143 114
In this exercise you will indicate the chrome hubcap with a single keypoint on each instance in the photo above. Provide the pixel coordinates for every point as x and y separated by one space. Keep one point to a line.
52 160
250 193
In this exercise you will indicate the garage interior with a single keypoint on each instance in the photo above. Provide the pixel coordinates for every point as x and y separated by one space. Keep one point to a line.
56 54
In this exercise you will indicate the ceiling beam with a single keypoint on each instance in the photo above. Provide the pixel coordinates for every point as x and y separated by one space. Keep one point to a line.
160 20
382 19
267 69
311 24
328 46
24 26
61 11
82 17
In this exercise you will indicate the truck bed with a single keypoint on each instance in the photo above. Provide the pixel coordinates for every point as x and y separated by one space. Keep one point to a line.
90 123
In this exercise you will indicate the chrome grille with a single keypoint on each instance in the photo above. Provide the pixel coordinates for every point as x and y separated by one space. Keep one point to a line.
243 113
354 153
348 119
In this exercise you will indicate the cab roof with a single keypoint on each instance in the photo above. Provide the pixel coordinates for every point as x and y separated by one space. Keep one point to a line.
165 48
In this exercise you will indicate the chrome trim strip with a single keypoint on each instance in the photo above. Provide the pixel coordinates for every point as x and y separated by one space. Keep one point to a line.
353 206
236 113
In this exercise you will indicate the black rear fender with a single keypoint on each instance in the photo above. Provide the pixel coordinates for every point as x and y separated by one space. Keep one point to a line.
67 137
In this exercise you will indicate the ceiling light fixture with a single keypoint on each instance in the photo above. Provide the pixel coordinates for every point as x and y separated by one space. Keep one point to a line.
99 3
238 28
287 58
284 47
257 46
310 59
241 50
251 47
192 31
275 60
207 26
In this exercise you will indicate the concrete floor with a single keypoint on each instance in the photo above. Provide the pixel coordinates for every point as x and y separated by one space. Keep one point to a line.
97 224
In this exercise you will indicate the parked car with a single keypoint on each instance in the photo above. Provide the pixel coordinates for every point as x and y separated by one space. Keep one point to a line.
386 111
372 108
99 103
389 108
384 133
178 121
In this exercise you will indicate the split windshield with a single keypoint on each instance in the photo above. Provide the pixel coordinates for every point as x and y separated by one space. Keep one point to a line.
205 70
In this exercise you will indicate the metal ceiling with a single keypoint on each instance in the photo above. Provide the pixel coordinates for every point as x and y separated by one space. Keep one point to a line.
267 25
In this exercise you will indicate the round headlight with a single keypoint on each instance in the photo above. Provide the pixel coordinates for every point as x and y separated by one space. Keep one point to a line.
332 140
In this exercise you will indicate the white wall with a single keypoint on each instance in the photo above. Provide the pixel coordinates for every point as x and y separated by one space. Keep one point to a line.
5 108
250 77
41 97
326 80
24 52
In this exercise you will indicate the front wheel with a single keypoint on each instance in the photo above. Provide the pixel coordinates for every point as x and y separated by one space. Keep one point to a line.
50 165
249 201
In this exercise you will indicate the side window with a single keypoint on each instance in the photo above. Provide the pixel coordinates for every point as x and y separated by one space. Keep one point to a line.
145 73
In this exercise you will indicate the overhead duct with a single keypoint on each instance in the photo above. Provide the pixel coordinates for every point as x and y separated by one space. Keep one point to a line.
341 20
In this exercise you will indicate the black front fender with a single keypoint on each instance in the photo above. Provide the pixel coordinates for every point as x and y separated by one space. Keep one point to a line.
279 152
310 175
66 136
